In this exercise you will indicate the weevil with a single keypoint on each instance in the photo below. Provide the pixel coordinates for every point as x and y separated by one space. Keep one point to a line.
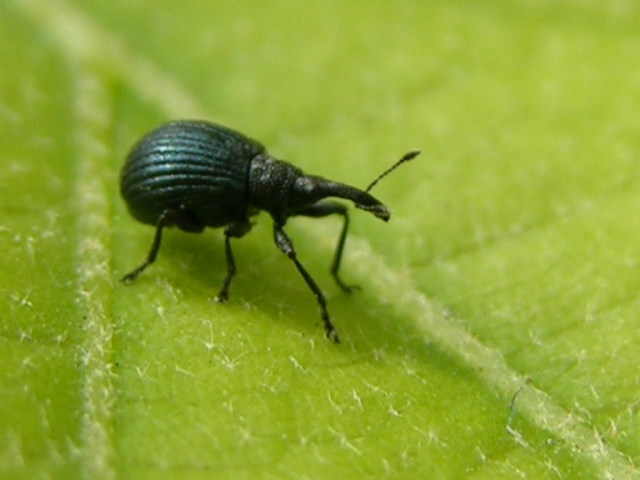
195 174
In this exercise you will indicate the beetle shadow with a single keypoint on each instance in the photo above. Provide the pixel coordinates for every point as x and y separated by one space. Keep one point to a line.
268 281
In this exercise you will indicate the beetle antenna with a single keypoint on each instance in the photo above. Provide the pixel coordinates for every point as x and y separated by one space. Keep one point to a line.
405 158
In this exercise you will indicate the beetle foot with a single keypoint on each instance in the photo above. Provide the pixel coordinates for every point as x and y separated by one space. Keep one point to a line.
222 297
345 287
332 334
130 277
349 288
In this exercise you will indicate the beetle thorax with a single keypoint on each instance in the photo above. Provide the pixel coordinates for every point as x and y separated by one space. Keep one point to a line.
270 184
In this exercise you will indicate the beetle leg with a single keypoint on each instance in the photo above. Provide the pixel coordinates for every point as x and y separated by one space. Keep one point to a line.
322 209
223 295
235 230
166 219
285 245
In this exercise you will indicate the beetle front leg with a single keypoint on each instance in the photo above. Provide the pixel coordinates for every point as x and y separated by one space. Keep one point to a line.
323 209
285 245
235 230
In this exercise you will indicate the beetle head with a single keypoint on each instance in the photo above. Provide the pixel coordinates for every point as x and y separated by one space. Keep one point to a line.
309 189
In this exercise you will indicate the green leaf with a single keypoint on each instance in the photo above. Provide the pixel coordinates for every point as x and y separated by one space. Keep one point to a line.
494 335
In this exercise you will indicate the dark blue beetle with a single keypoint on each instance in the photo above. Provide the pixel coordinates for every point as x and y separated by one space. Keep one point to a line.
195 174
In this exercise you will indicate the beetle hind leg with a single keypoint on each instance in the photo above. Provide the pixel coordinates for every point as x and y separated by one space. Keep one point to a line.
166 219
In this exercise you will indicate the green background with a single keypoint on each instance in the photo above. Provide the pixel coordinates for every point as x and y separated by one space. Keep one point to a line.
510 265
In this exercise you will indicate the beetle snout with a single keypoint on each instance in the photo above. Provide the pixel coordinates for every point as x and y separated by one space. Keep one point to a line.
380 211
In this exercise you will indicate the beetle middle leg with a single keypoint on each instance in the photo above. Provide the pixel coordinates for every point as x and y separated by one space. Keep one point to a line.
285 245
323 209
235 230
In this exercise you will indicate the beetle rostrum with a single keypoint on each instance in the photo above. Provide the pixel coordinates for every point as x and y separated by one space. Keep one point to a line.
195 174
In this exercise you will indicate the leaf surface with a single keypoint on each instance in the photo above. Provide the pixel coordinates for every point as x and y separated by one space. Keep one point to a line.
494 333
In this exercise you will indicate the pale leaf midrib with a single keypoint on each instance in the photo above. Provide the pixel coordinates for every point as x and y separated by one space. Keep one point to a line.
94 274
